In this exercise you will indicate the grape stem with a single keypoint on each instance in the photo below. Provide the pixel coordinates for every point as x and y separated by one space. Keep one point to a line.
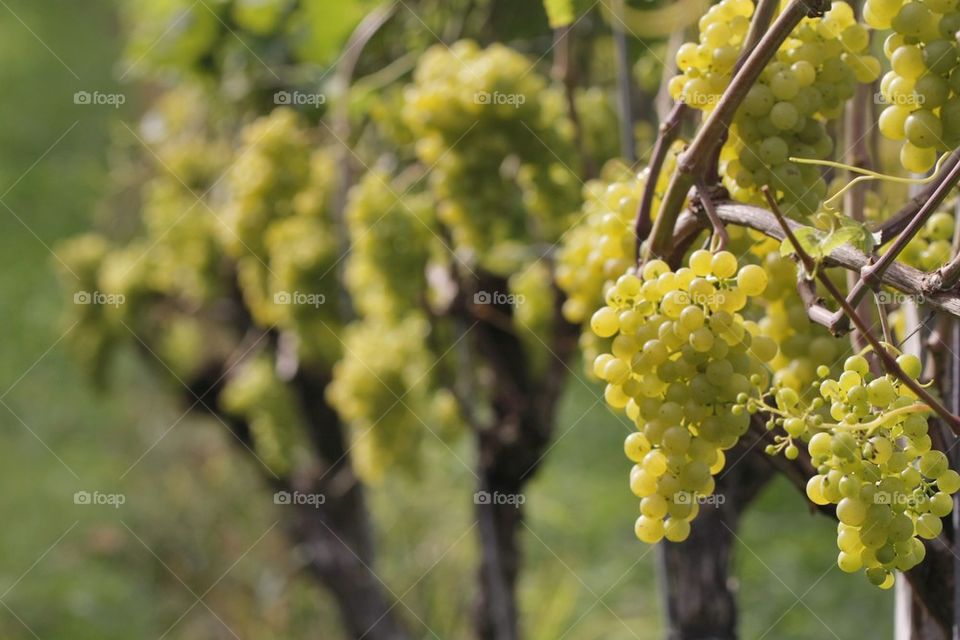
720 237
693 161
888 361
668 132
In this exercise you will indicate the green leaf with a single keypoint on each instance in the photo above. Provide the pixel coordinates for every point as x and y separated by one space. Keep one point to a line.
560 13
809 239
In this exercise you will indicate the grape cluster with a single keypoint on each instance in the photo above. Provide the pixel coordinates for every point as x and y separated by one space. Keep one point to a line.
499 144
682 364
707 67
383 388
602 246
784 114
923 87
275 224
255 392
868 439
391 242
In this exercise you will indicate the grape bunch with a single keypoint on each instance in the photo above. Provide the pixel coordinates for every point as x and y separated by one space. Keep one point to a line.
784 114
922 89
682 364
602 245
707 67
391 243
255 392
868 439
275 225
499 145
384 389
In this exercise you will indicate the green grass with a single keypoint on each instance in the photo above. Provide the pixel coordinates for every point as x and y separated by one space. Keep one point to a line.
194 508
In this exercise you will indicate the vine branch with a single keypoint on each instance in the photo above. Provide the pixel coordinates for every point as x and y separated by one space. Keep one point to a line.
888 361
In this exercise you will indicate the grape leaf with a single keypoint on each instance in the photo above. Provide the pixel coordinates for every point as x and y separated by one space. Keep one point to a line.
561 13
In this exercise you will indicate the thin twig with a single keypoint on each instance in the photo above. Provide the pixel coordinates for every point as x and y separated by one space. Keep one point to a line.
720 237
669 129
872 275
888 361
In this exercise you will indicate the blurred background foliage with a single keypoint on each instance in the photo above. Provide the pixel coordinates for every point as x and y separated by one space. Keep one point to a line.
195 548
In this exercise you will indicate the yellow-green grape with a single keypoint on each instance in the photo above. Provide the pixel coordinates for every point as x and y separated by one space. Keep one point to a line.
381 387
256 393
922 89
682 364
498 144
868 439
784 114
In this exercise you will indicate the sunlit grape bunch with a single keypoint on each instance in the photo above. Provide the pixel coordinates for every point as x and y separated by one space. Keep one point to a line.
867 436
498 143
275 223
784 114
923 88
706 66
391 240
602 246
682 364
255 392
384 389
